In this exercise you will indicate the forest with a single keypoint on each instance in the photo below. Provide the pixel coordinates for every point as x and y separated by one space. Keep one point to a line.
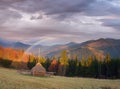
63 66
90 67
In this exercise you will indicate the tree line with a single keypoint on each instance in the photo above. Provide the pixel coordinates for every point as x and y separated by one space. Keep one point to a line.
64 66
84 67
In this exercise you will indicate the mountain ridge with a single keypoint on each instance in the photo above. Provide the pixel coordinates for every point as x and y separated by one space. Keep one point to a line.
98 48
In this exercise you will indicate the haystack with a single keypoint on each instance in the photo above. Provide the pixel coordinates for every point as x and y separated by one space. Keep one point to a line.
38 70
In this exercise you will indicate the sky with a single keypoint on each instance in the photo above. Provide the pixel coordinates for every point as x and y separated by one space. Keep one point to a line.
51 22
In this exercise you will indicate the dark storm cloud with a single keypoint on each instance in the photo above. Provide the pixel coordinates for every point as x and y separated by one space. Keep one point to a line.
63 8
54 6
6 15
4 4
114 23
115 10
103 8
36 17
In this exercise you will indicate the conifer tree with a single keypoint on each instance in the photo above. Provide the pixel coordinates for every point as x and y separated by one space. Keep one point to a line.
107 61
31 62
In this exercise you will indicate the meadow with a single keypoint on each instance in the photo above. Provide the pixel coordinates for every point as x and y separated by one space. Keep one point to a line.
11 79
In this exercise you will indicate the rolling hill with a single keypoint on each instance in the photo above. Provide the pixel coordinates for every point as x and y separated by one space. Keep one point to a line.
15 45
98 48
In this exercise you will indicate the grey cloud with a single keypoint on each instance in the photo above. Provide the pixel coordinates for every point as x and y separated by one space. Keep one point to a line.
64 8
103 8
6 15
47 31
4 4
115 10
36 17
57 8
31 32
61 35
114 23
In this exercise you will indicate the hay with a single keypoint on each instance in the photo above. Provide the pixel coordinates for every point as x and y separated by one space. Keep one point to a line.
38 70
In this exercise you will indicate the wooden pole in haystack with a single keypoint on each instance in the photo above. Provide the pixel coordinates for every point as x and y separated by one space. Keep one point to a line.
39 56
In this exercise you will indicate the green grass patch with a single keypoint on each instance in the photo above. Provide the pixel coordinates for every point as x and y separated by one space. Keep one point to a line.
11 79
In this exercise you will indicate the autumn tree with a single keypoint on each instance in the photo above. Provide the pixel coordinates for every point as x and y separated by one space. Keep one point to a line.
63 63
83 61
54 65
32 62
107 58
89 61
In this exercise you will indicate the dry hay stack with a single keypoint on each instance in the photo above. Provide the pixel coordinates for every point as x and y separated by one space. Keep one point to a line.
38 70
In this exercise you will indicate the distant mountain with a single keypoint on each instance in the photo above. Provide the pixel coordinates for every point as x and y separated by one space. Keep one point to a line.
20 45
5 43
11 44
98 48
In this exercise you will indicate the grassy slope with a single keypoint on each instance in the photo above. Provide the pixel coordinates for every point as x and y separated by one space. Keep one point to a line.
10 79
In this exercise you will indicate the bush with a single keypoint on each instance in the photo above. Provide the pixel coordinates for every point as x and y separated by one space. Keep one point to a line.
5 62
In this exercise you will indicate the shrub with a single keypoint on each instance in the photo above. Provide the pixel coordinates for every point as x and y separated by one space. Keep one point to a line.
5 62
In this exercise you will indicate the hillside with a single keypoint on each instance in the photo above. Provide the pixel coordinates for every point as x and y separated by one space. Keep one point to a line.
98 48
11 79
12 44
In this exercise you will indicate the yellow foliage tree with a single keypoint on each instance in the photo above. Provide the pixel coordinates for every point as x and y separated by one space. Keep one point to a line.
63 63
89 61
41 59
107 58
83 61
64 58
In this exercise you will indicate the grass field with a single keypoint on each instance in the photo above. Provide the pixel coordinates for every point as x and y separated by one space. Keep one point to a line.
10 79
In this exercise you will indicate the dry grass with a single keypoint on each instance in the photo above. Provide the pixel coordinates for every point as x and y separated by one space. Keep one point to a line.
10 79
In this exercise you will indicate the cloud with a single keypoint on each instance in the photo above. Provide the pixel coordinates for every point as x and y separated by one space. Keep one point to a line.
5 4
59 33
103 8
36 17
59 20
54 8
62 9
66 8
7 15
114 23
